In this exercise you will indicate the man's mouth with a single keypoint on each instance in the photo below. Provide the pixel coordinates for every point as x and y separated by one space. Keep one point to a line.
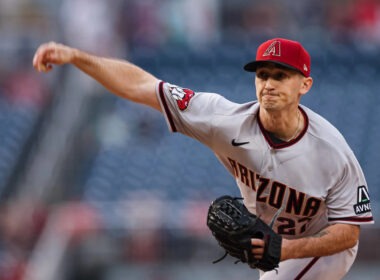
270 95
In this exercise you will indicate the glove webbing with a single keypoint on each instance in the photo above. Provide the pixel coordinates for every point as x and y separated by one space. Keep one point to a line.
226 253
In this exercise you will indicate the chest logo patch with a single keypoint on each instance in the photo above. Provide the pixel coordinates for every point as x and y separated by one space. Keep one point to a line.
363 203
182 96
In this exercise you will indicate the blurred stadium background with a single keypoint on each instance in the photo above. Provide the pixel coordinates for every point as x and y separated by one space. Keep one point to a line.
94 187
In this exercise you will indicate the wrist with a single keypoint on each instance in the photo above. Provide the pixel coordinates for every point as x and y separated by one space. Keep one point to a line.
75 56
287 251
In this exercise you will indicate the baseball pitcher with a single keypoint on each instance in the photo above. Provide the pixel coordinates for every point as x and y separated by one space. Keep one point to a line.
304 193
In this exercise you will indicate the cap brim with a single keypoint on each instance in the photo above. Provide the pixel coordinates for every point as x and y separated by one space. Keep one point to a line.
252 66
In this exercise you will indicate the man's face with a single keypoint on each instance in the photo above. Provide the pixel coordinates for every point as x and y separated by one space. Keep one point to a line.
278 87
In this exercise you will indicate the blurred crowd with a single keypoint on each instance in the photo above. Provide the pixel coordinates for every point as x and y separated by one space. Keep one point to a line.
113 29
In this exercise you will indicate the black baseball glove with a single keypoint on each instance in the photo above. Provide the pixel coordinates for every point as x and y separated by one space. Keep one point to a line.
233 226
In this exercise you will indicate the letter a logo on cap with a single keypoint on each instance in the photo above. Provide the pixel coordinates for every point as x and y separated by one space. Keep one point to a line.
273 49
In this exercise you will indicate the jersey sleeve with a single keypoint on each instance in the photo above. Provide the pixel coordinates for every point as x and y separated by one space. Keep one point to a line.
188 112
348 201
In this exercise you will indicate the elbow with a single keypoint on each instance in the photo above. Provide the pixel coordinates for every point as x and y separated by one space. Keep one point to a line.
352 243
353 236
127 91
139 92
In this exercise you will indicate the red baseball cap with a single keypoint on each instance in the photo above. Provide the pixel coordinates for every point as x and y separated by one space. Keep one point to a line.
288 53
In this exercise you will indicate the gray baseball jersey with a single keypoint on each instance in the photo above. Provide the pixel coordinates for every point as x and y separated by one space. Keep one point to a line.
314 179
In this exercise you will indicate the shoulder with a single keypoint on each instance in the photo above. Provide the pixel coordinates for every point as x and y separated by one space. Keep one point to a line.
214 103
326 135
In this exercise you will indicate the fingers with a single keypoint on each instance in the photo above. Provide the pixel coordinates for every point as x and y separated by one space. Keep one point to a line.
258 253
257 248
48 54
39 59
257 242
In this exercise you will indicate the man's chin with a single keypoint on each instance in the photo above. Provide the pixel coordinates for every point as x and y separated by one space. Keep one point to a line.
269 106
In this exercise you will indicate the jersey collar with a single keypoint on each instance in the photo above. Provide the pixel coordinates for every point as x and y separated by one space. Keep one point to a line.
283 144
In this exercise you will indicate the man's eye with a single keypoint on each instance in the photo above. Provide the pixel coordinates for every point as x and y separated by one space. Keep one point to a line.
279 76
262 75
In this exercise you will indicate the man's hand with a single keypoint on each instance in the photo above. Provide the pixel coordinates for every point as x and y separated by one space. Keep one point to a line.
52 53
257 248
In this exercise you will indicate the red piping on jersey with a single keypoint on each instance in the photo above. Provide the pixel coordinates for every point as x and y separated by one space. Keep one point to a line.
287 144
353 219
307 268
167 111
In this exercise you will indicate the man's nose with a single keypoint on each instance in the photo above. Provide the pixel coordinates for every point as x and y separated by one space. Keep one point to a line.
269 84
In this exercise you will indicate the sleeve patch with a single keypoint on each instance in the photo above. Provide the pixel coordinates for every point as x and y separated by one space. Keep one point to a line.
182 96
363 204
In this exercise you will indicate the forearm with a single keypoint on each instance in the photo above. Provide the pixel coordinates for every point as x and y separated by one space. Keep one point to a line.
120 77
331 240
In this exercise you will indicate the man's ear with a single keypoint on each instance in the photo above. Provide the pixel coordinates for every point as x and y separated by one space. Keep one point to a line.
306 85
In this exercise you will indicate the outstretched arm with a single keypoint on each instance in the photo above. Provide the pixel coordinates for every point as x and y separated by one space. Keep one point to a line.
331 240
120 77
